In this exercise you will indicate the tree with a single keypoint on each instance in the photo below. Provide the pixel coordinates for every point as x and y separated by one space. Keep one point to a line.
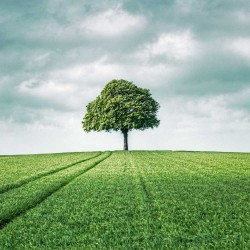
121 106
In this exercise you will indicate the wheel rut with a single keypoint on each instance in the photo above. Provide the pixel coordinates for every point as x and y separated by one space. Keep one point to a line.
6 221
36 177
147 197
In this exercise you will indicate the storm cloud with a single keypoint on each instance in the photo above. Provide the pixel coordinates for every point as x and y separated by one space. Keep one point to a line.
56 56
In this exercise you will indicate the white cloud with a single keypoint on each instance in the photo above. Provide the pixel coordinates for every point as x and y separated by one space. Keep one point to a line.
179 46
107 24
112 22
241 47
50 91
44 89
153 75
89 74
75 85
204 115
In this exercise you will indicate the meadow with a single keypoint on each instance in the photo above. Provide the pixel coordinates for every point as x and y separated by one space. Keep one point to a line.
125 200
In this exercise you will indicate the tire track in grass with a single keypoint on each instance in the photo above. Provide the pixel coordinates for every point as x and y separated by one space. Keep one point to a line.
148 197
148 200
150 204
7 188
62 183
155 222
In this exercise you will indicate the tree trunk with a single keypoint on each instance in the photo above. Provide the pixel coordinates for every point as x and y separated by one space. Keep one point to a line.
125 135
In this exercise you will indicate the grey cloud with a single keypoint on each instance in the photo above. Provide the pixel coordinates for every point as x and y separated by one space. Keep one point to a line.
240 101
213 74
46 41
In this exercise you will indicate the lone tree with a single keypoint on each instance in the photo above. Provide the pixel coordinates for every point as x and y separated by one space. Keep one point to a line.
121 106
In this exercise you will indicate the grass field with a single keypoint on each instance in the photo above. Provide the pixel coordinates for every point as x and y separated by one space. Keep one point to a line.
125 200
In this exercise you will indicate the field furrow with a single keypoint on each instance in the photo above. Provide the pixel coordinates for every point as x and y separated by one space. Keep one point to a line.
20 182
150 212
19 200
101 208
17 170
134 200
210 165
195 209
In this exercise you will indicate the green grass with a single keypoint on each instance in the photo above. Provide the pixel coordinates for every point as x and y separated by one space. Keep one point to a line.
18 170
127 200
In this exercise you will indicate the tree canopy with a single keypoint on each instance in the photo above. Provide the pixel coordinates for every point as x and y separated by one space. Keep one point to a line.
121 106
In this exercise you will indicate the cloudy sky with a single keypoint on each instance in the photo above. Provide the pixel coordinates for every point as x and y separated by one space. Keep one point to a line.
57 55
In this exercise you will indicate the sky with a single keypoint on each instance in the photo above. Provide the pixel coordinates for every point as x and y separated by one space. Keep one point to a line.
57 55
